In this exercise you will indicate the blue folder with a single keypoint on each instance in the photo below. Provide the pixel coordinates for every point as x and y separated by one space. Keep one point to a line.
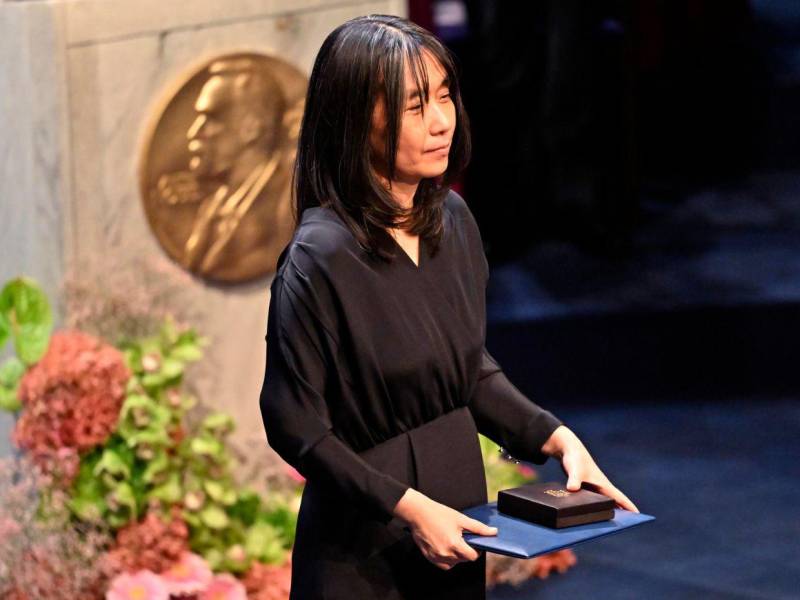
523 539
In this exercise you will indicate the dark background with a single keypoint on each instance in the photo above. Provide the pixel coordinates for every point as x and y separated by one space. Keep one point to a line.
636 178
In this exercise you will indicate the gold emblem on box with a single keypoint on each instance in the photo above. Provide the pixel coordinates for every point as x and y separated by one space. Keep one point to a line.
215 169
557 493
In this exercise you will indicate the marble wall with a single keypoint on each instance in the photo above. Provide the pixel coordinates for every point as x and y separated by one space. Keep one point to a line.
78 83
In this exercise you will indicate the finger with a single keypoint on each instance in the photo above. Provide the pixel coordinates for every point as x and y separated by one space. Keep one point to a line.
451 559
475 526
572 470
465 551
440 561
625 502
621 499
573 481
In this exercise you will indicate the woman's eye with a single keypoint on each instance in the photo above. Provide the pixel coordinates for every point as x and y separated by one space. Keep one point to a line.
416 107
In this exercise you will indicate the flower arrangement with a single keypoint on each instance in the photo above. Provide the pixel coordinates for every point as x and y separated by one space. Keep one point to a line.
124 487
107 433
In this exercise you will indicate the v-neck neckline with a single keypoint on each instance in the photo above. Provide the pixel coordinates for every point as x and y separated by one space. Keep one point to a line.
406 255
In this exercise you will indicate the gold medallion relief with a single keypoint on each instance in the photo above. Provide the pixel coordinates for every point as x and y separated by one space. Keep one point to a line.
215 172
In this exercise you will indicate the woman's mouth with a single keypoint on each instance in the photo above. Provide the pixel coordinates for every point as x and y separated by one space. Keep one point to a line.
439 150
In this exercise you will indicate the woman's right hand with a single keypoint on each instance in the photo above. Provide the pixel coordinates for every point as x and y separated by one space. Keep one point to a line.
437 529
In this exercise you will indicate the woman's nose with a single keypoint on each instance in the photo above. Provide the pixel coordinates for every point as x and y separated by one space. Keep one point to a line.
441 119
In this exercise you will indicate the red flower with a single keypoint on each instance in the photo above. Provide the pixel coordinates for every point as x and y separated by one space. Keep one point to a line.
71 401
269 582
152 544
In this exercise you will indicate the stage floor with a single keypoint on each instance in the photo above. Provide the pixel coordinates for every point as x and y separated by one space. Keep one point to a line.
722 479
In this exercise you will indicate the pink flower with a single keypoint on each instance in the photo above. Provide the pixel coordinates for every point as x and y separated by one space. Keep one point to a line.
294 474
224 587
8 527
143 585
190 575
526 471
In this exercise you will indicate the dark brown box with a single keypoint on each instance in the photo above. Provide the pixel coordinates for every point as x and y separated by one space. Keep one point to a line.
551 505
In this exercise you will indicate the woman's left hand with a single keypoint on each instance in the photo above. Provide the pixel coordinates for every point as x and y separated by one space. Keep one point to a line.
580 468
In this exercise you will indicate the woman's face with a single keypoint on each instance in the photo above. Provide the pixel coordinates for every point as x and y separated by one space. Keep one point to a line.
424 142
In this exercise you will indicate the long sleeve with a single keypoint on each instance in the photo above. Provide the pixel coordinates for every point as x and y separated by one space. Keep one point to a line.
296 415
505 415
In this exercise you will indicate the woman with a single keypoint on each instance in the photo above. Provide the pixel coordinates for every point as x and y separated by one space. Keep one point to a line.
377 379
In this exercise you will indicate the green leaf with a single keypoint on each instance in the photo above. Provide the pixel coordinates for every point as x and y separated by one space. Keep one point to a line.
150 345
192 519
134 386
86 484
9 400
214 517
230 497
171 369
124 497
189 401
206 446
246 507
86 508
186 352
136 400
214 558
153 380
264 543
5 330
27 318
170 492
119 520
281 516
111 468
133 359
155 467
87 501
236 567
220 492
190 336
11 371
214 489
168 331
218 423
151 436
158 417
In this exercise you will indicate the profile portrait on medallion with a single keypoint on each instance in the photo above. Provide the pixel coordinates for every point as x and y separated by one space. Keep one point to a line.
215 171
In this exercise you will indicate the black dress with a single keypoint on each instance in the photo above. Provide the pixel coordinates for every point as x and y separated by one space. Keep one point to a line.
377 380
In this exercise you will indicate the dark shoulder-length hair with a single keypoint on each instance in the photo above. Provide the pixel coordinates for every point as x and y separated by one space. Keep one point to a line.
359 61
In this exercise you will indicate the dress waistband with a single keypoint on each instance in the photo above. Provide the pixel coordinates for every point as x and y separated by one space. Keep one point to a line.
442 422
